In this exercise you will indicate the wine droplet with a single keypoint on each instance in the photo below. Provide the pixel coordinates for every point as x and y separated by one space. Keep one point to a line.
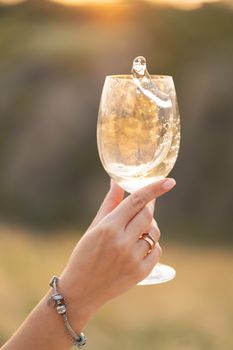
139 67
146 85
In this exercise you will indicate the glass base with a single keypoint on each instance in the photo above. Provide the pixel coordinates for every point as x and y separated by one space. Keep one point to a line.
160 274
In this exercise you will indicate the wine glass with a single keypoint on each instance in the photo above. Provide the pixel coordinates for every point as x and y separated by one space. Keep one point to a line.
138 137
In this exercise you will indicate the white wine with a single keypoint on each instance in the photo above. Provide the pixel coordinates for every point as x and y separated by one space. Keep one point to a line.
138 134
138 140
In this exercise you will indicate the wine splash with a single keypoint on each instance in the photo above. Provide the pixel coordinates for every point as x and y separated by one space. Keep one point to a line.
138 129
146 86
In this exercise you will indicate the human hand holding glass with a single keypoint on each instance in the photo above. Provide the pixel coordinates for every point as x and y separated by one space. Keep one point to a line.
138 134
106 262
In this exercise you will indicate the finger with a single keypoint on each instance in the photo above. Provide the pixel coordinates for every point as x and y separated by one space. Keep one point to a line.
111 201
142 246
151 205
151 260
141 221
138 200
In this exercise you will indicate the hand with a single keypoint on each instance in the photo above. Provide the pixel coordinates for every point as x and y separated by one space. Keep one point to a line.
110 258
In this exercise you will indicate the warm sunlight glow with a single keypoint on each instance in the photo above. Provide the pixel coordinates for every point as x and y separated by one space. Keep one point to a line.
84 2
185 4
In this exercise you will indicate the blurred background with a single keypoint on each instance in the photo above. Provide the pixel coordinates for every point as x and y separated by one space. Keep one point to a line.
54 56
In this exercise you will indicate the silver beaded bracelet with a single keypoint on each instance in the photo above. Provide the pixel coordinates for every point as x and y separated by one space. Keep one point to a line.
60 305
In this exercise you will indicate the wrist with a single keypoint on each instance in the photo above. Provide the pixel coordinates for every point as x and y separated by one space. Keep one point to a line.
79 310
60 306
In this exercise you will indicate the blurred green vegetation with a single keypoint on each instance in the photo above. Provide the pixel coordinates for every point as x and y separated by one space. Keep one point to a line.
53 60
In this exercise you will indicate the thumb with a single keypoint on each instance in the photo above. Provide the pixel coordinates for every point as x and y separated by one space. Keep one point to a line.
113 198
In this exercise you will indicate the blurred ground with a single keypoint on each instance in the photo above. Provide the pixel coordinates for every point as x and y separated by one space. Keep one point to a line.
192 312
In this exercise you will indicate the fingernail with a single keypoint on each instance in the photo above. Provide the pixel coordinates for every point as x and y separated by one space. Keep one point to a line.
168 184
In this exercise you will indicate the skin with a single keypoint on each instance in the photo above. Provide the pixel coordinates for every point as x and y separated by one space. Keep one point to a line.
107 261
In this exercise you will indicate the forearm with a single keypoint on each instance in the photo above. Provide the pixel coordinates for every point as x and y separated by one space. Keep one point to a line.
44 329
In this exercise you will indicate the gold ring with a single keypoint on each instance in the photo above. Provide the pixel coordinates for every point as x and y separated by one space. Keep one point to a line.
149 239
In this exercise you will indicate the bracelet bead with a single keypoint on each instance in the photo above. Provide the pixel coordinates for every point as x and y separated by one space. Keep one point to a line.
60 306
